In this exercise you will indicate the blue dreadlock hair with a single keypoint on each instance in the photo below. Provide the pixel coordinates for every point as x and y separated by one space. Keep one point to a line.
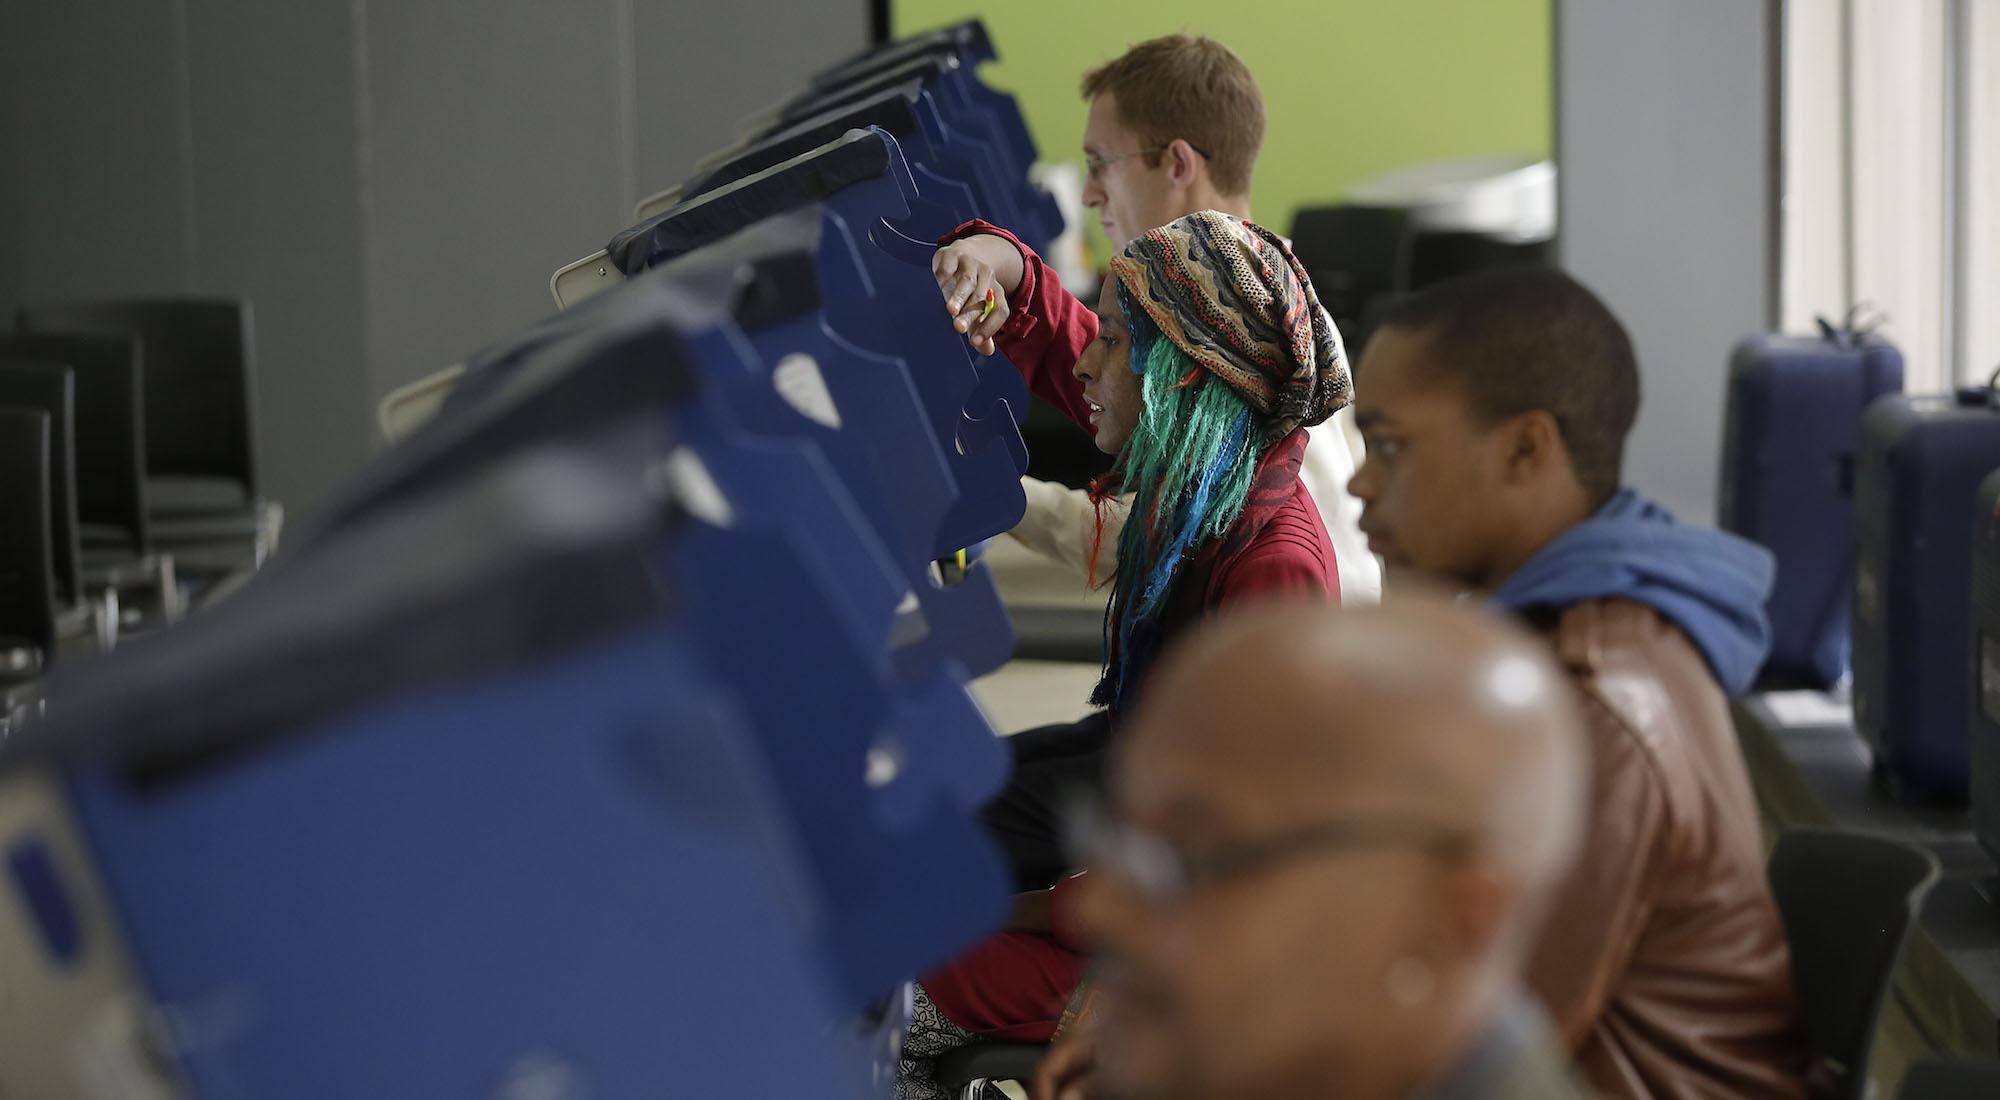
1189 465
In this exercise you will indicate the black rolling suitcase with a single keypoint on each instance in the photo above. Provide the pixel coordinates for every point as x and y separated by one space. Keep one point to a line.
1916 480
1983 652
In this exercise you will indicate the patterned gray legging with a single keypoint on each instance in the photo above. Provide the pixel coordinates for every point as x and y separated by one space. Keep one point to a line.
931 1035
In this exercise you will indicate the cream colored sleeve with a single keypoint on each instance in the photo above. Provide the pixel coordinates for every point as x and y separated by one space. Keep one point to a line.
1061 522
1329 466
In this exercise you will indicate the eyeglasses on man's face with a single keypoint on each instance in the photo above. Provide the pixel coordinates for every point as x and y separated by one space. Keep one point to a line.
1096 165
1164 873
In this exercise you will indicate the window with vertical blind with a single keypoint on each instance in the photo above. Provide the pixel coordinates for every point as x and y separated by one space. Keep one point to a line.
1891 194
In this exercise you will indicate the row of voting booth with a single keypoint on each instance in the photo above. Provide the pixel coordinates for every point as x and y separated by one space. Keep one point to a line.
610 735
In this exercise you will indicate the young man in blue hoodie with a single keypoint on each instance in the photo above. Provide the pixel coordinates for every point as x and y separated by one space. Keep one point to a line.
1495 410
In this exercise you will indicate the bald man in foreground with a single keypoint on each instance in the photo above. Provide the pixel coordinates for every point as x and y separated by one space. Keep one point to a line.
1335 835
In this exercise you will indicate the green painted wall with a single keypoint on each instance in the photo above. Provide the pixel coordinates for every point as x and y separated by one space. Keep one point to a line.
1352 87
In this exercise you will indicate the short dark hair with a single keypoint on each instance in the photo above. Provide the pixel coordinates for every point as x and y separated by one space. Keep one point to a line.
1521 339
1192 88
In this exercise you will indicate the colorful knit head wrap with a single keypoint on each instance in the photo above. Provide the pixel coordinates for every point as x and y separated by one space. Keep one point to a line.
1235 301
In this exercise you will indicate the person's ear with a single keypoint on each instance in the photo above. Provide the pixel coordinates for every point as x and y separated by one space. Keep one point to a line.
1532 445
1463 921
1183 163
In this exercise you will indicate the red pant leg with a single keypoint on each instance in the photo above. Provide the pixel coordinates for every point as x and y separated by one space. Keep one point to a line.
1010 987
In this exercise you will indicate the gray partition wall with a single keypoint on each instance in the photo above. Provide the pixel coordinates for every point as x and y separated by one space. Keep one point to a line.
1667 138
390 183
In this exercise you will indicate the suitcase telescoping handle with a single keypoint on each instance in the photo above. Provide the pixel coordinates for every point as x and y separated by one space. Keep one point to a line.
1848 334
1987 395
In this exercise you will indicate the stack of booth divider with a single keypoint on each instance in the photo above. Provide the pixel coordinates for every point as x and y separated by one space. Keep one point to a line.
617 706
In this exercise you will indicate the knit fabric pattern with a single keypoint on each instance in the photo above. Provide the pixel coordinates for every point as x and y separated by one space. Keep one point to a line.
1235 301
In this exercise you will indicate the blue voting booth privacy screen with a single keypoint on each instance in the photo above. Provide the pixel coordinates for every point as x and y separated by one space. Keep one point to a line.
611 735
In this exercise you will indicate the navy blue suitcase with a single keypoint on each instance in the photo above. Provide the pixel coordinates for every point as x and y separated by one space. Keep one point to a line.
1983 694
1916 478
1793 421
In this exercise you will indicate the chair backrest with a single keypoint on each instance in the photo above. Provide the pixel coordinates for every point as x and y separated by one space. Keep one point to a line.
1439 255
198 379
1354 254
52 389
27 581
110 436
1847 900
1951 1079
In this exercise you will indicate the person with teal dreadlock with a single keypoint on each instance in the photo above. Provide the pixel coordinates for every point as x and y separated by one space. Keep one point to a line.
1229 356
1206 358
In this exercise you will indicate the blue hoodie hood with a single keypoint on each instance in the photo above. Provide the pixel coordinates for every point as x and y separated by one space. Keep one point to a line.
1710 584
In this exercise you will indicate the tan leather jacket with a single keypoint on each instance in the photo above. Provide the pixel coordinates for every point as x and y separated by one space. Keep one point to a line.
1664 962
